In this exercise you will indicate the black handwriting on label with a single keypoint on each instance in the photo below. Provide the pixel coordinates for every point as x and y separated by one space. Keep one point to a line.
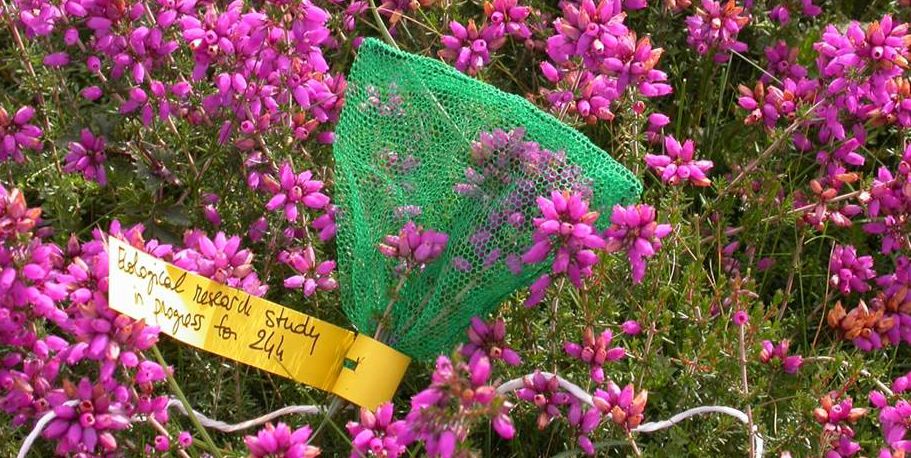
221 300
153 279
282 321
268 344
188 320
224 331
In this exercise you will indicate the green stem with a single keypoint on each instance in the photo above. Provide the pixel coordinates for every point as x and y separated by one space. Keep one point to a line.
338 403
175 388
382 25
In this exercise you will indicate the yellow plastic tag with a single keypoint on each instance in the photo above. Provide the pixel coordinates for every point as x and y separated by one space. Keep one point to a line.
231 323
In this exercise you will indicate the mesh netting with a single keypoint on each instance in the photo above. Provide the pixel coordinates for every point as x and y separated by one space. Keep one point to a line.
420 141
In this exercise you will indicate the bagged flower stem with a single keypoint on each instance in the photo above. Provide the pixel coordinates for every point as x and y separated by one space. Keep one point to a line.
420 142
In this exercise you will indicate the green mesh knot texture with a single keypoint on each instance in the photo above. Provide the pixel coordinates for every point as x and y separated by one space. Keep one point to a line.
404 145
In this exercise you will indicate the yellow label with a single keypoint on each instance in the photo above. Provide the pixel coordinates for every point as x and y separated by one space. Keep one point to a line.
231 323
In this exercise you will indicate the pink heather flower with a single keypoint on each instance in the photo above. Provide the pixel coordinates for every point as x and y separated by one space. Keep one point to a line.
633 5
87 426
258 229
902 383
325 223
294 190
184 439
220 259
544 392
442 415
655 126
771 352
625 406
740 318
888 203
850 272
510 14
836 419
87 157
490 339
310 275
895 420
413 247
823 210
469 48
634 230
17 134
566 231
56 60
595 351
584 423
677 166
782 14
714 28
91 93
15 215
162 443
765 264
782 63
613 60
631 328
209 210
280 441
377 433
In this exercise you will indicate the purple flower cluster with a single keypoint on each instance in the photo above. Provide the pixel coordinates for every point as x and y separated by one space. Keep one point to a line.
87 425
377 433
566 232
293 190
861 85
625 406
634 230
544 392
771 352
595 351
584 422
245 78
45 287
220 258
836 418
468 47
459 395
848 271
18 134
599 58
894 420
280 441
781 13
489 338
513 17
414 247
888 205
823 208
677 165
87 157
714 29
782 63
310 275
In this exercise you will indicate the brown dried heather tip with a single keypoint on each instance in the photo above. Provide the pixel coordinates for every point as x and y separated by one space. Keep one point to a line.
15 216
859 322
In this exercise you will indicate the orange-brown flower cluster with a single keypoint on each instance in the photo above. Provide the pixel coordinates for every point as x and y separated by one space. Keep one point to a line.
862 325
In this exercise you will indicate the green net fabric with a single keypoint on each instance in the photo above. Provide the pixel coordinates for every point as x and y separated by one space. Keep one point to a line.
419 141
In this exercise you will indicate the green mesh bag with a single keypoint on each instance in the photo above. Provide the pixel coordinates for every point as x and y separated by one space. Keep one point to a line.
419 141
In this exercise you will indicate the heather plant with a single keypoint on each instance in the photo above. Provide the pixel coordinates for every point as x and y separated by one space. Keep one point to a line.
765 268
